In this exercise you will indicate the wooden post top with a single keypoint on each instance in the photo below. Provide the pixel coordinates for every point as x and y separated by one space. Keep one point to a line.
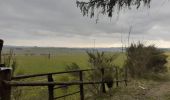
1 44
5 68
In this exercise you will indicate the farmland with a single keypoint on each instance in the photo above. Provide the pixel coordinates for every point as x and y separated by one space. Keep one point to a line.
36 60
33 63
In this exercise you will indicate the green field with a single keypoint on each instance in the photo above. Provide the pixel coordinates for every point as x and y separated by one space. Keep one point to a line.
33 64
42 64
34 60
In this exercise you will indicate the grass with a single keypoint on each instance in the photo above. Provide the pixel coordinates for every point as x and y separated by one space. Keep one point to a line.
41 64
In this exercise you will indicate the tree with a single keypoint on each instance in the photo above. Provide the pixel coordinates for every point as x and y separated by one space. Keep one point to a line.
142 60
108 6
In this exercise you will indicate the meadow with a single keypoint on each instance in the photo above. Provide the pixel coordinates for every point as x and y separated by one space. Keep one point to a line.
42 64
33 64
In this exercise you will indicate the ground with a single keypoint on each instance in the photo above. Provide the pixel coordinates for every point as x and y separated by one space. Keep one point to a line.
143 89
159 92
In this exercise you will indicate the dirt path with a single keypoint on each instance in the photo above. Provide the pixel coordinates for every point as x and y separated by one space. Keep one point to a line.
147 91
159 92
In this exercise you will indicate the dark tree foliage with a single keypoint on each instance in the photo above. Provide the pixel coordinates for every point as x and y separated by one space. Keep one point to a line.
142 60
88 7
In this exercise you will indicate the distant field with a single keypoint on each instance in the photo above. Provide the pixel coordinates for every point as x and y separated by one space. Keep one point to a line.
42 64
33 60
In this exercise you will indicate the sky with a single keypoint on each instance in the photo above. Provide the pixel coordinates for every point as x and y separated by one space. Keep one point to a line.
59 23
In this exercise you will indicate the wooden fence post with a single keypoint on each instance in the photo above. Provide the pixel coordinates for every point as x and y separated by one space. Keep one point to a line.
5 90
81 86
117 77
126 75
103 84
1 45
50 88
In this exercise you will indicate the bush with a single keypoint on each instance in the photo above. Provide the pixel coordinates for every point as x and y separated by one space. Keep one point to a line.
71 67
99 60
142 60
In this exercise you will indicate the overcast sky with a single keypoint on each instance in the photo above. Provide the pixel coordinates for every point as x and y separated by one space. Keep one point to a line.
59 23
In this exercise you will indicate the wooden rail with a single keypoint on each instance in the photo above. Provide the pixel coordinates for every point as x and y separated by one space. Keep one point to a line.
16 83
46 74
67 95
6 82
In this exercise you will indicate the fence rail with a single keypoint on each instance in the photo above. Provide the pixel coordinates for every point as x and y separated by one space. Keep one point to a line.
6 82
46 74
12 83
66 95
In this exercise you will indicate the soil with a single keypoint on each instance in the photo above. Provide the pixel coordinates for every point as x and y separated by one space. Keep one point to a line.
159 92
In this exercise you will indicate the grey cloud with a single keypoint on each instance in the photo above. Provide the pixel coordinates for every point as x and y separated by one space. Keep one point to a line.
60 19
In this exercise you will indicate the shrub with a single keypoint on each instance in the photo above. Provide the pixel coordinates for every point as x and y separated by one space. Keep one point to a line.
100 60
71 67
143 60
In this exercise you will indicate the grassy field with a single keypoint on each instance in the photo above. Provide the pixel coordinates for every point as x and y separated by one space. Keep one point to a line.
33 64
42 64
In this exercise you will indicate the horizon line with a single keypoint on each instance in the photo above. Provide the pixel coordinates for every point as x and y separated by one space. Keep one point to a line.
57 46
68 47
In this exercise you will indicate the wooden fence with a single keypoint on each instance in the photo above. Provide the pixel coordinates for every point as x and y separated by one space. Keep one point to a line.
6 82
